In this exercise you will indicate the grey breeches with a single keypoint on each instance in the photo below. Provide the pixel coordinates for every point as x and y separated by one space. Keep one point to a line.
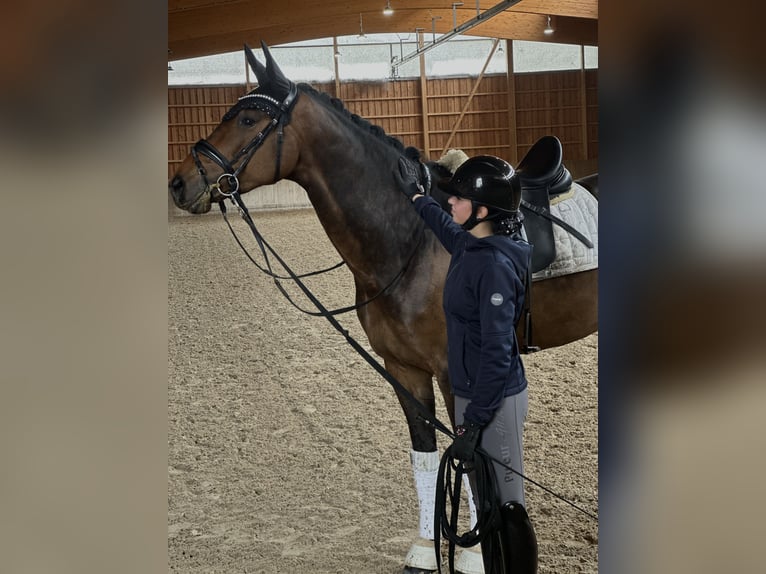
502 438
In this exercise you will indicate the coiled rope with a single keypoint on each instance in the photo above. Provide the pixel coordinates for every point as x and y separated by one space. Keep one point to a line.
449 482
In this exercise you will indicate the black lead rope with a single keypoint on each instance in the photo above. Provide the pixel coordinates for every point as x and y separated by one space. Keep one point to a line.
423 413
324 312
448 490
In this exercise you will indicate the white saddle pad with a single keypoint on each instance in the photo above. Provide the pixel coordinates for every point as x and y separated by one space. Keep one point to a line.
580 210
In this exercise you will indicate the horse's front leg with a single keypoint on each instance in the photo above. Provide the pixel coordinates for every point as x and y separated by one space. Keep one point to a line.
424 458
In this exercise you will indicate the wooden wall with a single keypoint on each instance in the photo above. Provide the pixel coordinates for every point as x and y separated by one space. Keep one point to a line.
495 120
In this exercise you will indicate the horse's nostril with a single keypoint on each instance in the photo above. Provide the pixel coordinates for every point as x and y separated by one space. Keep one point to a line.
177 186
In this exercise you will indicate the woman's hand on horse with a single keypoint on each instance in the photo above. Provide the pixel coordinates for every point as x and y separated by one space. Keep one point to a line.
407 179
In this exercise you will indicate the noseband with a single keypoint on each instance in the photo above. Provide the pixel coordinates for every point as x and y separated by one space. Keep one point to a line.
279 112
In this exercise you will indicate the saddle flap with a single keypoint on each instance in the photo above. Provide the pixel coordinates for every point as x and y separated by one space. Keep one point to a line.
539 232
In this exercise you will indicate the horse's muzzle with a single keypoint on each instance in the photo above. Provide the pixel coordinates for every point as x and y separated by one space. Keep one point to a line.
176 188
201 203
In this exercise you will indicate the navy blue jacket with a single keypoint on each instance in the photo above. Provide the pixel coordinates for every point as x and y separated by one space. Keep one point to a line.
483 299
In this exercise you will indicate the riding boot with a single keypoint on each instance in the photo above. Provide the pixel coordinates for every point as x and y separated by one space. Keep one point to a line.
517 540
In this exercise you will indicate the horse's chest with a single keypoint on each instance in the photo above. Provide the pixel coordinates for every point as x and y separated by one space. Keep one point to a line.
415 335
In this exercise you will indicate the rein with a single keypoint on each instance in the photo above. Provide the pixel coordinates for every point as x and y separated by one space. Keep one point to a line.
237 199
423 412
279 112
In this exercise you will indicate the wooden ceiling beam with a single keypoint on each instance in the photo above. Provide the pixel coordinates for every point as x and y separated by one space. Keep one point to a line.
289 8
507 25
569 8
218 18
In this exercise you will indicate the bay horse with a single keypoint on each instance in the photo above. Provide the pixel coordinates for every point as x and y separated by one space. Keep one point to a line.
346 165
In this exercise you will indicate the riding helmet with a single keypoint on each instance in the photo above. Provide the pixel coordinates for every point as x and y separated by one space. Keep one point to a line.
486 180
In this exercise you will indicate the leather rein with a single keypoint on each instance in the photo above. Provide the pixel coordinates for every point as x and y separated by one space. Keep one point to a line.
280 116
279 112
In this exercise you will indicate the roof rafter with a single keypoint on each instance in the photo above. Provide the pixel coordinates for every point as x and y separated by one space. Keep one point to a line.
206 27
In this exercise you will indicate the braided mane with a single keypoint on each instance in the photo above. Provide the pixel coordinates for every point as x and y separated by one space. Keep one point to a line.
364 124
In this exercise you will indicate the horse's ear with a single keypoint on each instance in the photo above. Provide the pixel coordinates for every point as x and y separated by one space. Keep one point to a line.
257 67
275 74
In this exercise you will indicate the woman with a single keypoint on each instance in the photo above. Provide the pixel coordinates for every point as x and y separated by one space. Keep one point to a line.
483 298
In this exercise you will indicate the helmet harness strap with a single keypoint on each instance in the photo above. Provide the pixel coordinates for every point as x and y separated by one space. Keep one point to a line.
473 220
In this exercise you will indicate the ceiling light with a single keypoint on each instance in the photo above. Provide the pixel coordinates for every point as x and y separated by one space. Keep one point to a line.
387 11
170 68
548 29
500 47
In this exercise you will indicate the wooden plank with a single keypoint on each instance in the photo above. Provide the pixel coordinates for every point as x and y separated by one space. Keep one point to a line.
583 104
424 100
468 113
509 112
492 130
511 96
335 56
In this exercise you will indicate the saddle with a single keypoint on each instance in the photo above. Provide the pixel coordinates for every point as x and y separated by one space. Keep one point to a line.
542 176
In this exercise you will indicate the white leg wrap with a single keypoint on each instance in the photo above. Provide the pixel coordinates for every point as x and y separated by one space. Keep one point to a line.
425 467
471 504
470 561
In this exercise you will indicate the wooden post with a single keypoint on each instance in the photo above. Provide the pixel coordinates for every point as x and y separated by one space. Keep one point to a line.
247 76
424 100
584 105
471 95
335 64
513 153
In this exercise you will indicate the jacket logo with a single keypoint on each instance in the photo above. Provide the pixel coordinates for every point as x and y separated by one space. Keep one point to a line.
496 299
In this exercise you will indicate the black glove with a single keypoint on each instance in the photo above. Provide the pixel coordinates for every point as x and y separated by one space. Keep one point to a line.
407 178
466 438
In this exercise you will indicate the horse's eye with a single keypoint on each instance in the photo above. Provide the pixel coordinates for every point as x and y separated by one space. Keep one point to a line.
246 121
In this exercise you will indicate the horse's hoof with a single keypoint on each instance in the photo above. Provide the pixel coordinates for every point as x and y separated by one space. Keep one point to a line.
470 561
421 559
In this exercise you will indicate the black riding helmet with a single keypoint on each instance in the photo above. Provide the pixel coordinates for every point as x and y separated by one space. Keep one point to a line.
486 180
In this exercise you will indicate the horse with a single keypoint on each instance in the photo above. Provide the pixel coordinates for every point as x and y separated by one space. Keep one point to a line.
590 182
283 130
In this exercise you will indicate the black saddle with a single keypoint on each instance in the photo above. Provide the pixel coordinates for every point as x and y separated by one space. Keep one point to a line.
543 168
542 176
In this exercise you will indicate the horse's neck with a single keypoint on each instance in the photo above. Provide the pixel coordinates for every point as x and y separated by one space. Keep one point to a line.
348 178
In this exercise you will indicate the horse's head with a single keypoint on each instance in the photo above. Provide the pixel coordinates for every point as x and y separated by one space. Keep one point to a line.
247 149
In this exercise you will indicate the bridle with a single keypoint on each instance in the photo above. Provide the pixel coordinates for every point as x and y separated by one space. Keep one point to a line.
279 112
